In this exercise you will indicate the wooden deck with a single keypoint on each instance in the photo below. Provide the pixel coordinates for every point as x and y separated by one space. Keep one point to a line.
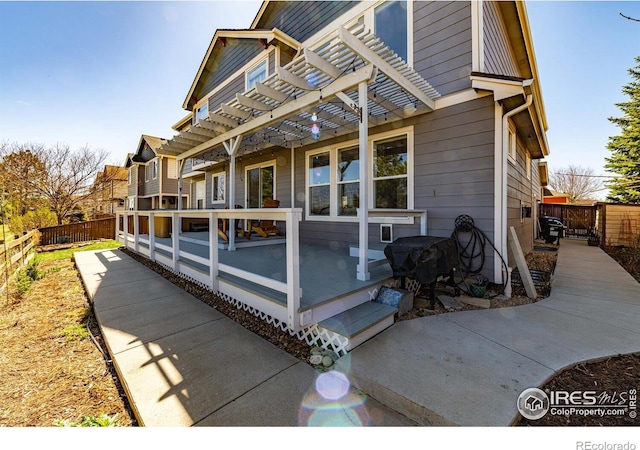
325 274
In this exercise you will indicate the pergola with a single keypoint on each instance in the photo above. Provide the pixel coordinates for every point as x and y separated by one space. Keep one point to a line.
348 81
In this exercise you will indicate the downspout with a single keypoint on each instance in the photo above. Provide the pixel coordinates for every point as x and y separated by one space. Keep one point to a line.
500 226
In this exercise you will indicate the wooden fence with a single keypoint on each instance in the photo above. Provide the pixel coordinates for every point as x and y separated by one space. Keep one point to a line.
16 254
579 220
618 225
79 232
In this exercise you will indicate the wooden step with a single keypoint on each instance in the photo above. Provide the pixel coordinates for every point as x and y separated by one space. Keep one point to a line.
360 323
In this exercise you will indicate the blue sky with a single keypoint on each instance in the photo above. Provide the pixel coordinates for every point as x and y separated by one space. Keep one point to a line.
102 73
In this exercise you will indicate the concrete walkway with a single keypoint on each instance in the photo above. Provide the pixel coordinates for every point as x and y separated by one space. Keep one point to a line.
183 363
468 368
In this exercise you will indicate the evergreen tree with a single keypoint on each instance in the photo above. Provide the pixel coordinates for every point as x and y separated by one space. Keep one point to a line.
625 147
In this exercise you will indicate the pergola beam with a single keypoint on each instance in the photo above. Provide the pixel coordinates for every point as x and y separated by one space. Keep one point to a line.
307 101
372 57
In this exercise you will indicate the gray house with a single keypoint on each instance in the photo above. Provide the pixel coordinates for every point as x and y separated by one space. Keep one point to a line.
152 181
367 121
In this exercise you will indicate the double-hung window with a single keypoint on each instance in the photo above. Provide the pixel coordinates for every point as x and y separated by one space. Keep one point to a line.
348 181
390 170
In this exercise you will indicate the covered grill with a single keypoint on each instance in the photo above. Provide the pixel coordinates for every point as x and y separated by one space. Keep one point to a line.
423 258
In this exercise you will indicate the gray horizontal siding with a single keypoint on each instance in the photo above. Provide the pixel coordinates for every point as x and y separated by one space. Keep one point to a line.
442 44
454 168
498 57
224 61
227 93
301 20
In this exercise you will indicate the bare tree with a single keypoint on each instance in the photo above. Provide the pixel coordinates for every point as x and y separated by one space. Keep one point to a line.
578 182
63 176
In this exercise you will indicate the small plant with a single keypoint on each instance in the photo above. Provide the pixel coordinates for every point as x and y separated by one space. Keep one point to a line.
76 332
103 420
23 282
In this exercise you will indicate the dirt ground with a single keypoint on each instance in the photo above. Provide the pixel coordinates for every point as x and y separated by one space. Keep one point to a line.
52 372
51 368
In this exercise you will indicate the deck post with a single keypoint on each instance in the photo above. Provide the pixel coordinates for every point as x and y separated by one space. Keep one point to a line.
363 211
152 237
125 229
213 251
175 238
136 231
231 146
293 268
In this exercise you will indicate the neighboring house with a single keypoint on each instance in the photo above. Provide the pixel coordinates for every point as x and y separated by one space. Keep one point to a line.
152 178
555 197
358 114
110 187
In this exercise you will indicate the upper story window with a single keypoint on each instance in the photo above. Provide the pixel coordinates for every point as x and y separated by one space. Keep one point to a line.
151 171
391 25
392 22
130 178
527 164
256 74
202 112
512 149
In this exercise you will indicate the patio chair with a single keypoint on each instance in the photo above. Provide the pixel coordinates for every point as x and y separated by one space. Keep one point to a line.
223 227
267 228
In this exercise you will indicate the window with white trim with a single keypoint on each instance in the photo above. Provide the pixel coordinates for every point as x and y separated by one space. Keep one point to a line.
333 177
392 22
512 148
218 187
172 168
130 178
260 182
201 112
390 173
256 74
527 164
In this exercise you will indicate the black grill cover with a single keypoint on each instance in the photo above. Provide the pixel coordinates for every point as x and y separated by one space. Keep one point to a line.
422 258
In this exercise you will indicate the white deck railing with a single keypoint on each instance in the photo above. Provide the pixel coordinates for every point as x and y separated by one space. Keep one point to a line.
150 245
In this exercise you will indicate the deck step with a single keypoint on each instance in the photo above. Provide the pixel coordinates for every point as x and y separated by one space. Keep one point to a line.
360 323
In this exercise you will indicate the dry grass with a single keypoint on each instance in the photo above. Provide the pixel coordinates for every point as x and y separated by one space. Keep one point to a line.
50 367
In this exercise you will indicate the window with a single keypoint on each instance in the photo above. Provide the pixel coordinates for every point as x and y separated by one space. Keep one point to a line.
130 179
202 112
527 164
390 161
390 25
199 188
260 184
172 168
333 177
151 172
512 143
320 184
256 74
218 188
348 177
